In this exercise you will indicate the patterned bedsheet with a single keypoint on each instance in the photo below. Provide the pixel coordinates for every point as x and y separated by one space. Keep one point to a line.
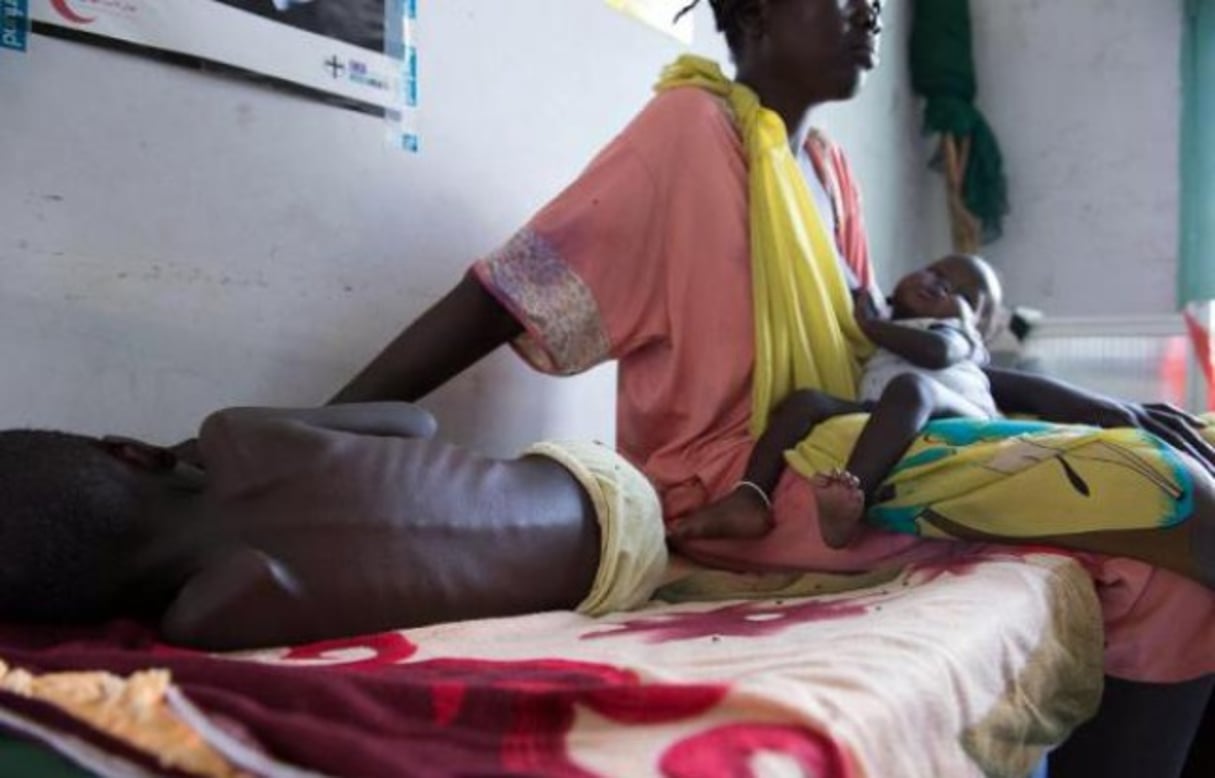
969 668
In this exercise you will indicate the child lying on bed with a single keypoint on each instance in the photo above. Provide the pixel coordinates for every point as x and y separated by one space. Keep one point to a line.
313 524
928 365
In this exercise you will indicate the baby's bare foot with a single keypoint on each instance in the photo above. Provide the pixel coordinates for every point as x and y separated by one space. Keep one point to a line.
841 503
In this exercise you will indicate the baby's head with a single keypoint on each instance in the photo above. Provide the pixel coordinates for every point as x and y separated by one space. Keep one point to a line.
931 292
69 509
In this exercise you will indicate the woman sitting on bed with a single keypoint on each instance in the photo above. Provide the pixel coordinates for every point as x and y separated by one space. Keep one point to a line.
709 250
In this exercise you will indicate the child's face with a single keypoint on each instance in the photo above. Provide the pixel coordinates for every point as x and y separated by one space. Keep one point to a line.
933 292
944 287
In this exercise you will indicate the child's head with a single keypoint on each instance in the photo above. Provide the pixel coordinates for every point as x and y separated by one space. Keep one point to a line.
68 512
933 291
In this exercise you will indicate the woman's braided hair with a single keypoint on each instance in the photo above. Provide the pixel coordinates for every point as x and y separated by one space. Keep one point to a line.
729 15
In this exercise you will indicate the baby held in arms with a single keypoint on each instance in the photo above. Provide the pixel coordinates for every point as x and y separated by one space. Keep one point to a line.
928 364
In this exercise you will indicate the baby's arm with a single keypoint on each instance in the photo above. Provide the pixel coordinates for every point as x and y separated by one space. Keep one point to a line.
934 349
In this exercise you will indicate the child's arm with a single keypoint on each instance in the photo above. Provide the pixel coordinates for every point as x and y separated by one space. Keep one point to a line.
934 349
239 601
381 419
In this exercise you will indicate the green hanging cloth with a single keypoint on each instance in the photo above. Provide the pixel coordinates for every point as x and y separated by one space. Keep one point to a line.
943 72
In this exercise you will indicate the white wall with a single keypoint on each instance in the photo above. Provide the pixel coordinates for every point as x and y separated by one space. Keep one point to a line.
173 241
1085 97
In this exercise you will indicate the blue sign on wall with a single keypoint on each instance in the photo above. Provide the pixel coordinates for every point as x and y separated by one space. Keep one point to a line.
14 24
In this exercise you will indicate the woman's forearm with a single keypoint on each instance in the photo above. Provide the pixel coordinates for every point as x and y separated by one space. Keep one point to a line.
454 333
1051 399
1055 401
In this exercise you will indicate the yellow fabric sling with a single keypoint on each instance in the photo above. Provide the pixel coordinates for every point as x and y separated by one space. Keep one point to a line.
805 334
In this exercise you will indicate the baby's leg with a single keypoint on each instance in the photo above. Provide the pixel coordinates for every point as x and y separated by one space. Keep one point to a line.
788 424
906 405
841 504
745 512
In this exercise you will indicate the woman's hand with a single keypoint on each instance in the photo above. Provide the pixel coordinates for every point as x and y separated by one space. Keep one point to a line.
1054 400
1167 422
1057 401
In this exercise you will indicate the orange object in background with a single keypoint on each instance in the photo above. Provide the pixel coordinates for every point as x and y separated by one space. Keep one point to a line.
1174 369
1200 335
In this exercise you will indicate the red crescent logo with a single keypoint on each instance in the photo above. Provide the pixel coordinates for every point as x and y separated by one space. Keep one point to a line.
66 12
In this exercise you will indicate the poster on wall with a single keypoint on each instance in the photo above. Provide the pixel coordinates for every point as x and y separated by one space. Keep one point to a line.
660 14
364 51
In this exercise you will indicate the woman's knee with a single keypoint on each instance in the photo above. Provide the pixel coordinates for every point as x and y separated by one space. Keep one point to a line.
1202 533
